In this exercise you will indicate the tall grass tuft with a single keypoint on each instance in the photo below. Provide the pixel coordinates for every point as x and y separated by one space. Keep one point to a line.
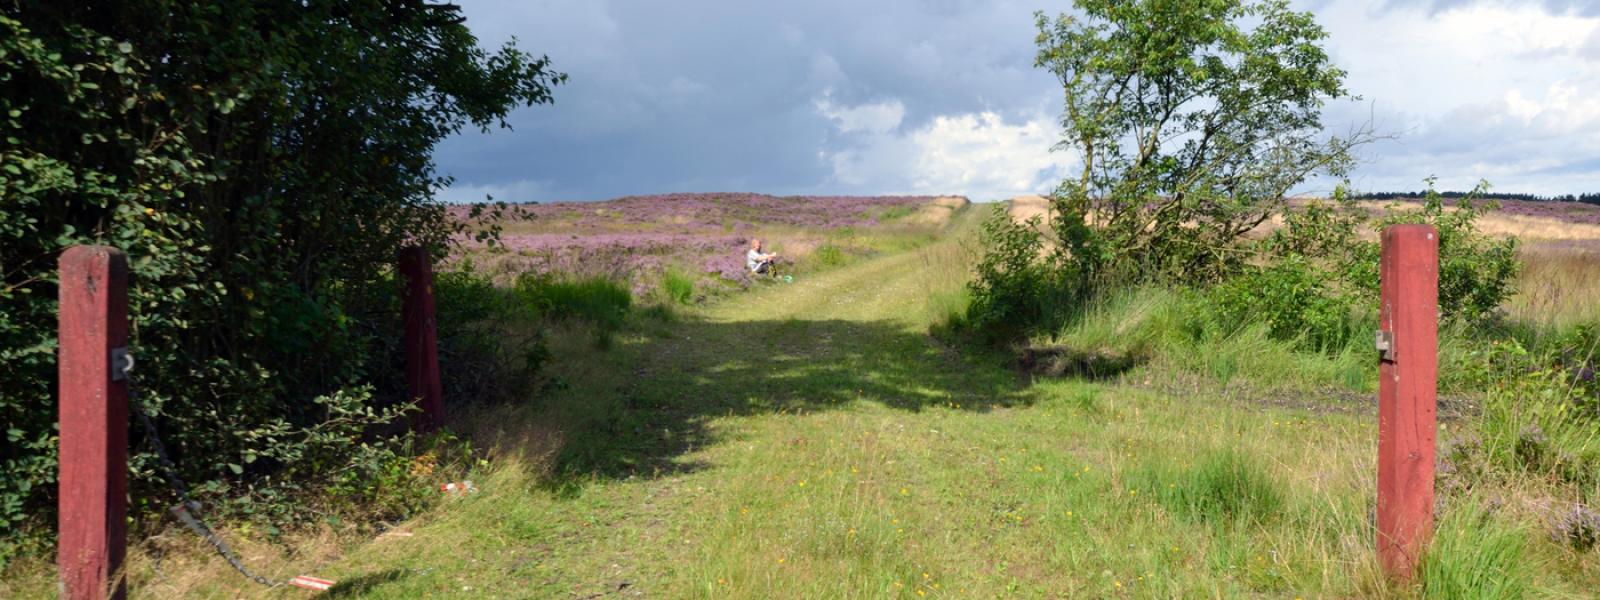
829 255
600 301
1224 486
677 287
1179 330
1475 556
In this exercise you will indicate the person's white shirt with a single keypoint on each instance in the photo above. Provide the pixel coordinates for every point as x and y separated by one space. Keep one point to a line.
754 258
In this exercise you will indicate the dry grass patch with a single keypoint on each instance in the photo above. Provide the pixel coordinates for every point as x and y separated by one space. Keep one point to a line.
1022 208
1559 286
939 211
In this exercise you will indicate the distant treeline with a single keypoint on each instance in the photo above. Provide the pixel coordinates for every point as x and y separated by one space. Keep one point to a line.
1584 198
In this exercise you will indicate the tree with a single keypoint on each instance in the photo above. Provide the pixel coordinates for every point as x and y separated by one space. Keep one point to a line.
1191 120
261 163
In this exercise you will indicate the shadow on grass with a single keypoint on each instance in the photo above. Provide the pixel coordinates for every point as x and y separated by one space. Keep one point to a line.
673 379
358 586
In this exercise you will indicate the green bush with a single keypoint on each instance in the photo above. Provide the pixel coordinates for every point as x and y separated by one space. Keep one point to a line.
261 166
1292 298
490 348
1318 283
1476 273
893 213
1016 292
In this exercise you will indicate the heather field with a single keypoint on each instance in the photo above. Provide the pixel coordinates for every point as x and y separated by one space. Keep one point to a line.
638 239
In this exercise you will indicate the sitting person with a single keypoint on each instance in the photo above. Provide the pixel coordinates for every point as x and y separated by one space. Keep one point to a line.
758 262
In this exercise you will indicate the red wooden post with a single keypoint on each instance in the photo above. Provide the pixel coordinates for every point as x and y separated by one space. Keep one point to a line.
1407 394
421 341
92 527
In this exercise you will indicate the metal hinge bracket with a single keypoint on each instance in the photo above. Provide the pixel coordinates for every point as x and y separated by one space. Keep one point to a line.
1385 343
121 364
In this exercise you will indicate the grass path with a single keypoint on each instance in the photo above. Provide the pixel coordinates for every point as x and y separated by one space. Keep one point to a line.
810 440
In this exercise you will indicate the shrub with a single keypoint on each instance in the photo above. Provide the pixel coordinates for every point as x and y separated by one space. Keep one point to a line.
896 212
1293 299
490 348
399 480
1577 528
1476 273
1319 279
1016 292
261 166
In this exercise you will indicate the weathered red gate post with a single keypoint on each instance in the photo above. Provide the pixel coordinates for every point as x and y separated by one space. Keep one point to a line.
421 341
92 521
1407 393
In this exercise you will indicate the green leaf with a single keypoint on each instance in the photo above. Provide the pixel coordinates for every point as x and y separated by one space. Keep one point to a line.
237 470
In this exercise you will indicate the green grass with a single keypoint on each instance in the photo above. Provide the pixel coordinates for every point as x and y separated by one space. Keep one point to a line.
1476 556
813 440
677 287
1223 487
597 300
1179 336
829 255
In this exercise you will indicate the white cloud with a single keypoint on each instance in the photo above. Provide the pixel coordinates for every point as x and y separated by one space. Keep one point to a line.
525 190
982 154
979 154
1477 90
1564 108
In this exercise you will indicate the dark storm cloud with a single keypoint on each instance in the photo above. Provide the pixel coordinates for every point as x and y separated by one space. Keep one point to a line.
843 96
722 95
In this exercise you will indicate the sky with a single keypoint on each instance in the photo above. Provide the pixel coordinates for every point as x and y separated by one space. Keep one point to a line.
843 97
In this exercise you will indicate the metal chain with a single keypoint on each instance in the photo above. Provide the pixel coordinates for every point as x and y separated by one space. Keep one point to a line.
184 510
